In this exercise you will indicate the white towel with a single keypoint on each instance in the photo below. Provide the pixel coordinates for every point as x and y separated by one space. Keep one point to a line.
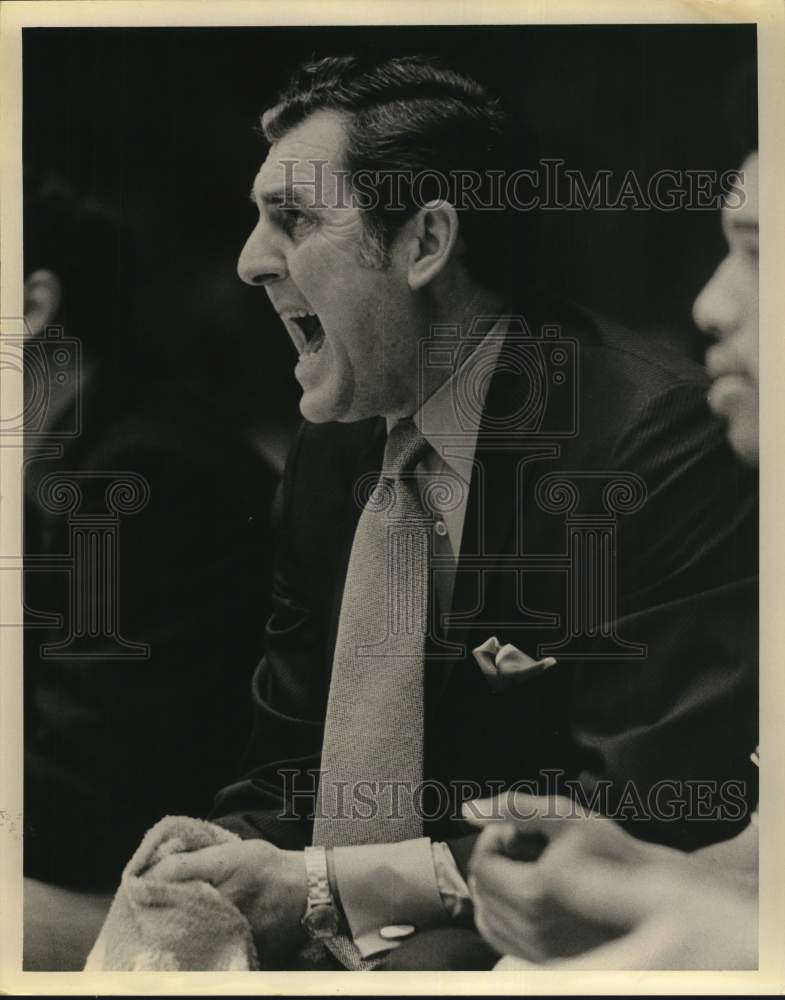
172 926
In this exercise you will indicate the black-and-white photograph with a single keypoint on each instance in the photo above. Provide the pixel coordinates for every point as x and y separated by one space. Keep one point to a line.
388 461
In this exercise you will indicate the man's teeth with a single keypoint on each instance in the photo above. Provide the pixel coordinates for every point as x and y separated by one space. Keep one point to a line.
308 325
314 342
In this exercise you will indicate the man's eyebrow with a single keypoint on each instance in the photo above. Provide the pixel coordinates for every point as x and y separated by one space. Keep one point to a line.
279 197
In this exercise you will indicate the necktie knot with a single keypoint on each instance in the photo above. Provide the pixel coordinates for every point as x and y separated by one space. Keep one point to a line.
406 447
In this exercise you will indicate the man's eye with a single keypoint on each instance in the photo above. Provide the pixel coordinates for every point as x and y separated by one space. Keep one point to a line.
292 219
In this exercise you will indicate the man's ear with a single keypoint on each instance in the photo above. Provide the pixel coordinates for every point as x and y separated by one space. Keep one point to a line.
435 236
43 294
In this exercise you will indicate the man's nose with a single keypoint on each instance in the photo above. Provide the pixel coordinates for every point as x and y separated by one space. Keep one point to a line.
716 309
260 262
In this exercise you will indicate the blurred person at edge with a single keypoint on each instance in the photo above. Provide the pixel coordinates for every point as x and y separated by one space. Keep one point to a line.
111 744
594 897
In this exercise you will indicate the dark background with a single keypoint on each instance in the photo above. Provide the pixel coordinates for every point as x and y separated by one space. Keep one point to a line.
160 122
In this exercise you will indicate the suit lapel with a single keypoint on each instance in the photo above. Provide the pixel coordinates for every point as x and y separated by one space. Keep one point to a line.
488 525
494 520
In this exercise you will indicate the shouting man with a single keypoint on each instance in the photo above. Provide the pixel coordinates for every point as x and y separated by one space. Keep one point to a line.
478 466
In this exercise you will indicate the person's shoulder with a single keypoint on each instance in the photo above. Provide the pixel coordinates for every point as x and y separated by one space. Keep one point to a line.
620 374
652 359
609 349
615 385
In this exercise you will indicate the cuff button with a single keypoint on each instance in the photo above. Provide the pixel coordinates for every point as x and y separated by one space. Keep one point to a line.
395 932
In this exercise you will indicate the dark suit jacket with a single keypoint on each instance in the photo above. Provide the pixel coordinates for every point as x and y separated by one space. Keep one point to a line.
685 712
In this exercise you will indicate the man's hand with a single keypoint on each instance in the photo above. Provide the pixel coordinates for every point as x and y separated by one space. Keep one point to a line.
526 843
268 885
668 919
597 893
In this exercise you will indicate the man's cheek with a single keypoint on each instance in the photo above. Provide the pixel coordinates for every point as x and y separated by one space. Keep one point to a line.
342 239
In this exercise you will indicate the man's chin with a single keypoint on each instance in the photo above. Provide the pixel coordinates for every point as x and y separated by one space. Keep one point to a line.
322 408
324 411
314 415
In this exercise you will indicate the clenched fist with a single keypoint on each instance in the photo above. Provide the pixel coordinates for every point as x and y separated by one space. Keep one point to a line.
268 886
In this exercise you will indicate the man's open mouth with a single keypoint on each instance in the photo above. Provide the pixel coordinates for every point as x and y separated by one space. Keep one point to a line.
311 332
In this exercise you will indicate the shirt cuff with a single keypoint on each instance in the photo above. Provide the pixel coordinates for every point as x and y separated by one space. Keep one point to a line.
385 884
453 889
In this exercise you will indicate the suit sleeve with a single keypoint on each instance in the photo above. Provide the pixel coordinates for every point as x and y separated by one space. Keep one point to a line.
666 738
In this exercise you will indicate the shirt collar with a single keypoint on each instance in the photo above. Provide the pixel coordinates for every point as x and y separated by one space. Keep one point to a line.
454 439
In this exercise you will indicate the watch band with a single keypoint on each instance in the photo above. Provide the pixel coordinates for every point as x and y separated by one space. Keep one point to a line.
322 919
331 877
319 892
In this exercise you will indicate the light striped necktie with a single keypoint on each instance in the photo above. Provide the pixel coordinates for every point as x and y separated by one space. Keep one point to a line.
374 723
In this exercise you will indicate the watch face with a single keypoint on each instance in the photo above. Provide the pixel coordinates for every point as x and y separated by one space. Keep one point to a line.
322 921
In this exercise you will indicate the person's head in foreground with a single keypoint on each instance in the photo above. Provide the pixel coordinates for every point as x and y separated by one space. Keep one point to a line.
727 309
359 243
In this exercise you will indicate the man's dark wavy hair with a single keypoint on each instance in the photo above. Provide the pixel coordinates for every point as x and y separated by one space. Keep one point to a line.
411 114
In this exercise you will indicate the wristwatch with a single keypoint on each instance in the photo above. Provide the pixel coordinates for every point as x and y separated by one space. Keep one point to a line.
321 919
